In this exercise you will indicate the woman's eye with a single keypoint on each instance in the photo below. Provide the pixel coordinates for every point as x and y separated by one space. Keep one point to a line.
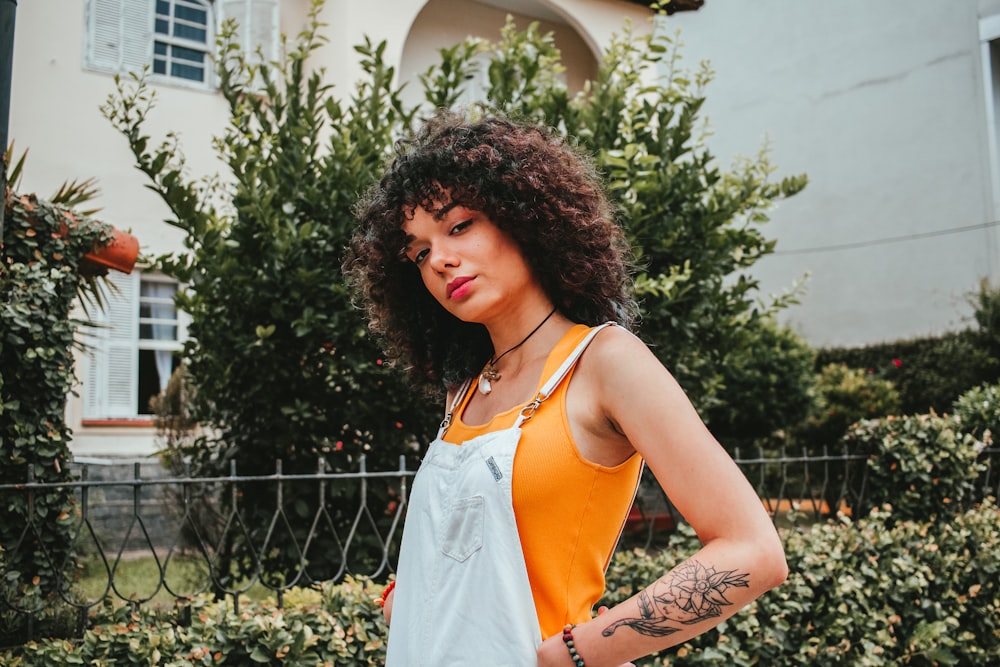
460 226
420 255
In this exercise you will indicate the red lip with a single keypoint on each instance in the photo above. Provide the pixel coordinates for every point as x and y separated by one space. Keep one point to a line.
456 283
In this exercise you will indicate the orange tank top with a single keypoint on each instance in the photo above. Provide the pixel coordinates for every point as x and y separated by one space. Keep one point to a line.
569 511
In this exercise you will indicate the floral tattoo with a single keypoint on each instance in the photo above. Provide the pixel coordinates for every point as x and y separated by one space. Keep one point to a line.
689 594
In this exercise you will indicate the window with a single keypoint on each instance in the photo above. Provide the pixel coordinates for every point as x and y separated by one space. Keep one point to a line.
180 45
134 347
174 38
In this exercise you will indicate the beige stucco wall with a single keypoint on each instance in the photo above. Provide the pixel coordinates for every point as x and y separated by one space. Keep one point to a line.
55 102
55 115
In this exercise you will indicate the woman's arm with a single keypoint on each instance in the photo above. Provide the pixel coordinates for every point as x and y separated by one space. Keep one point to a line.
741 557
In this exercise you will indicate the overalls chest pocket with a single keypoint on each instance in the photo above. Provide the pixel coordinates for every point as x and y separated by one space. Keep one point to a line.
478 491
463 528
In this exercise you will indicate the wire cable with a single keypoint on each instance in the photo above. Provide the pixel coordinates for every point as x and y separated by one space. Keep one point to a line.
888 239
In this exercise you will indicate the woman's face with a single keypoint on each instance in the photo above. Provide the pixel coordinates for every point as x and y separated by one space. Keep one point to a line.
468 264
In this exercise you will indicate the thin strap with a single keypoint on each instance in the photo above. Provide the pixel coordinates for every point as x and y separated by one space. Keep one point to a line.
550 385
459 395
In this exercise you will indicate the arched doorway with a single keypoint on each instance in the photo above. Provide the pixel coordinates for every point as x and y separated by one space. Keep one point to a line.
443 23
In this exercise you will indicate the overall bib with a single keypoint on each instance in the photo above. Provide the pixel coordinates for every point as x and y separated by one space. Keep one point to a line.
462 595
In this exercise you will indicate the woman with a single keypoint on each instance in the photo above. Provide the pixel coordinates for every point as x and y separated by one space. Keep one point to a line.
488 260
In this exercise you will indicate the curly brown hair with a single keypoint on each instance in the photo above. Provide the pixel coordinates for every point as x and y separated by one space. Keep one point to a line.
533 185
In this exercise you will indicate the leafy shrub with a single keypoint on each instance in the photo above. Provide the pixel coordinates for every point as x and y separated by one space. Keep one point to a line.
335 625
929 373
923 465
986 311
876 591
279 360
885 591
978 412
767 384
844 396
42 273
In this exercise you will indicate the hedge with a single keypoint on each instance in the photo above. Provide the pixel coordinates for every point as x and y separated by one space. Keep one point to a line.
876 591
928 372
872 592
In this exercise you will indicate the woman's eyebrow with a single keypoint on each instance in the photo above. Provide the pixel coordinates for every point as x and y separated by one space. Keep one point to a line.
444 210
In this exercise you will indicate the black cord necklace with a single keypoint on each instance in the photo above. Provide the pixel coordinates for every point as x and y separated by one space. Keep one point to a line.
490 373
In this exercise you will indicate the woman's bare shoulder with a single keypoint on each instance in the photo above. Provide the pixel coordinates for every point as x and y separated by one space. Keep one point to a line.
616 349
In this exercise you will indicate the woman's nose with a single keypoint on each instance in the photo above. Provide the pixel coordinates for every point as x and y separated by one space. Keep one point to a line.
441 258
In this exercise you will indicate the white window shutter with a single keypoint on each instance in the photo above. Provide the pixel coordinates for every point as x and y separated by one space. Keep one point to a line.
92 396
104 35
137 34
119 35
94 374
259 25
111 380
122 361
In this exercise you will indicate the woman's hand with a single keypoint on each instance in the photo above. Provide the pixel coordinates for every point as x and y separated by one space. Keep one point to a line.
385 600
387 607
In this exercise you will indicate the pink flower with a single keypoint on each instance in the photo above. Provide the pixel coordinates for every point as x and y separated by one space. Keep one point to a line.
897 362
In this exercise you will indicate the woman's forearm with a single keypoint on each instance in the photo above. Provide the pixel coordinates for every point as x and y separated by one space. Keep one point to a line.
698 594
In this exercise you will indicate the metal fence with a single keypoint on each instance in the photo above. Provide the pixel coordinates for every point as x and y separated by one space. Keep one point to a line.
150 517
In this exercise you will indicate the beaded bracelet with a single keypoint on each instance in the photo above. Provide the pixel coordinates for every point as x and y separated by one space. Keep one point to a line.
574 655
380 601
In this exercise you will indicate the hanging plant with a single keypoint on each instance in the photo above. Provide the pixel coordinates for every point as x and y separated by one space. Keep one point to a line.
49 256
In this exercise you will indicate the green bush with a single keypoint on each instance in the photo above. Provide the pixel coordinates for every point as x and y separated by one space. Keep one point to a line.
279 364
767 384
844 396
929 373
886 591
876 591
43 272
978 413
925 466
986 311
335 625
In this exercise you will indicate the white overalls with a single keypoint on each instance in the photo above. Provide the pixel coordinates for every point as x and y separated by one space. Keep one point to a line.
463 596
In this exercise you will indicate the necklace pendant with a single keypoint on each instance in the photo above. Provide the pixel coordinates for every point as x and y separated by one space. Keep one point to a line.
484 385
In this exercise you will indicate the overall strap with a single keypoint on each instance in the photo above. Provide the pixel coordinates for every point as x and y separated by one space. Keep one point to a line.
459 395
550 385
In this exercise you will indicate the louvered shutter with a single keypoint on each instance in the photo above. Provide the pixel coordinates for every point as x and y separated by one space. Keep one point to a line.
111 379
259 24
119 35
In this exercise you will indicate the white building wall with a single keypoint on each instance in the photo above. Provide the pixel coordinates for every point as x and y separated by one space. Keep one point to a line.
882 105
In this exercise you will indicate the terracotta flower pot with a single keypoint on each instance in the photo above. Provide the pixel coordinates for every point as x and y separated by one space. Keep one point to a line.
119 255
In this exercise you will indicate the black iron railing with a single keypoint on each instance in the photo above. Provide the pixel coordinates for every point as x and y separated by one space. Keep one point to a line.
168 519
